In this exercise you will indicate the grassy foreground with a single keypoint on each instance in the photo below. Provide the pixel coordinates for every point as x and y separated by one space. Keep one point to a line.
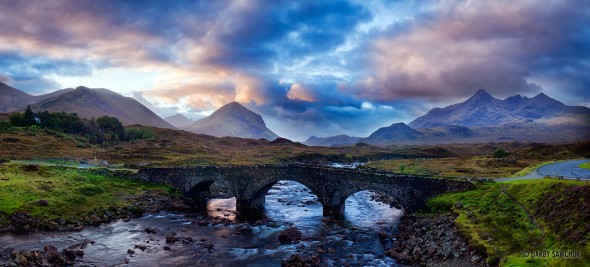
64 193
511 220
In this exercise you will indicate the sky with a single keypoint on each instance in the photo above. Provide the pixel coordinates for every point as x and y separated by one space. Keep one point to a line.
308 67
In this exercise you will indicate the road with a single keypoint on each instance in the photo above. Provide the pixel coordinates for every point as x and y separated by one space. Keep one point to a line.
566 169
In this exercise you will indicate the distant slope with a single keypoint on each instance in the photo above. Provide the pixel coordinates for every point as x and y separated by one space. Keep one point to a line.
482 109
89 103
179 121
338 140
12 99
234 120
395 133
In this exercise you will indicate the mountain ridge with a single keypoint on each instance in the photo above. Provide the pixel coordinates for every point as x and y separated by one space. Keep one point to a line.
89 103
482 109
234 120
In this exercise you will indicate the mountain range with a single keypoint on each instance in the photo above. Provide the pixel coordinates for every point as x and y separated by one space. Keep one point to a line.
233 119
338 140
483 118
482 109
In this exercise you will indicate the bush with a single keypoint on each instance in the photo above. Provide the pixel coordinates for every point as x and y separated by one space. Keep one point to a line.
500 153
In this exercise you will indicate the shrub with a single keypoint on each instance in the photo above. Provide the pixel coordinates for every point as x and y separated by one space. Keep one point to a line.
500 153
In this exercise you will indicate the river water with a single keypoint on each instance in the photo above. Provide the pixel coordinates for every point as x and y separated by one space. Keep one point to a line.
228 242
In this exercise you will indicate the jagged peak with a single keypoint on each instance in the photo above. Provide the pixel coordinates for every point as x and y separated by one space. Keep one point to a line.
481 94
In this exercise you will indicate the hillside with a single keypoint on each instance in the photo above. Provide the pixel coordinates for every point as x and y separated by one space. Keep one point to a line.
233 120
338 140
89 103
179 121
12 99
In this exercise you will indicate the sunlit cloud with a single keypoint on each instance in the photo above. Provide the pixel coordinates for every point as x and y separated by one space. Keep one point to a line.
324 67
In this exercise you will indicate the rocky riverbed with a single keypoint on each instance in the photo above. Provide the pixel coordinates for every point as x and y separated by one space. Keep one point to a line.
432 240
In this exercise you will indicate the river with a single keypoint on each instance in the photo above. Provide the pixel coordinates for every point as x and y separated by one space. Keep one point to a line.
203 241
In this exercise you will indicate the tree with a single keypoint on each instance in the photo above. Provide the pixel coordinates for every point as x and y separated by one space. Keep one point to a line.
16 119
111 127
29 117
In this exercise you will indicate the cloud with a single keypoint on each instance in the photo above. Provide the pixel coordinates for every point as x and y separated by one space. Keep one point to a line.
31 73
325 66
456 47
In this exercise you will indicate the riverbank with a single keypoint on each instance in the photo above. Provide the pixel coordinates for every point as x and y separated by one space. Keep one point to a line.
432 240
68 199
507 221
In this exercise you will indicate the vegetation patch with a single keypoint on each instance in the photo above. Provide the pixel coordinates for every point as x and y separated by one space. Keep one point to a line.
585 165
61 192
511 219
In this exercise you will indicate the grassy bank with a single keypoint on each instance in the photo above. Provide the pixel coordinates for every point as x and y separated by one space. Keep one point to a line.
64 193
585 165
510 219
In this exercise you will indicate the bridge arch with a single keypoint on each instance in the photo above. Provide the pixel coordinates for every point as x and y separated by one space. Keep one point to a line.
403 197
252 200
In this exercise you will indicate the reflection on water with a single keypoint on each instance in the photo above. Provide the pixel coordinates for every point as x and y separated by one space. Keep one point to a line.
236 243
361 211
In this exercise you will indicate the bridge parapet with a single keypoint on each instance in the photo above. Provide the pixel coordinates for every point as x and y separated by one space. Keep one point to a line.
249 184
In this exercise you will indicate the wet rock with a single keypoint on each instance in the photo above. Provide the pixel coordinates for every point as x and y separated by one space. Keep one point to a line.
289 235
141 247
151 230
52 255
430 240
171 239
130 251
166 248
298 260
69 254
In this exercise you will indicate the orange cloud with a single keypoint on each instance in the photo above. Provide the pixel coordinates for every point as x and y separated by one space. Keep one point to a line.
300 92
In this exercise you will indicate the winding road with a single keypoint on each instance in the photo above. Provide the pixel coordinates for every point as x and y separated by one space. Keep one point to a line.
566 169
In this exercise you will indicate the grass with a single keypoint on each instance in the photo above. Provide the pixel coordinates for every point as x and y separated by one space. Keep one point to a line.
69 192
458 166
507 219
585 165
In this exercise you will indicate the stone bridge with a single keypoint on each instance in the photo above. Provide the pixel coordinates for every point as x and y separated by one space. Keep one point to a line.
332 186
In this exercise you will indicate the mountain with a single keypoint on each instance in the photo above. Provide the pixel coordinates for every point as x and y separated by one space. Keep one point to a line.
89 103
234 120
482 109
12 99
395 133
179 121
338 140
